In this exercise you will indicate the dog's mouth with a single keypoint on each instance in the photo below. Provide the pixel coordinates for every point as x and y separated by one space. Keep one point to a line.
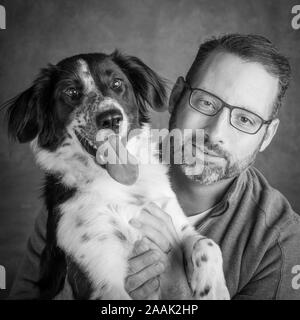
124 172
87 145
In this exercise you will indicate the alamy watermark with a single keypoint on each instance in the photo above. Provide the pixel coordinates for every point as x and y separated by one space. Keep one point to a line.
156 146
2 17
296 19
296 278
2 278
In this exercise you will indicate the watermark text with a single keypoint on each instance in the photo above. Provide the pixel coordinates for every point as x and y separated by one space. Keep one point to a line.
2 278
296 19
296 278
2 18
158 146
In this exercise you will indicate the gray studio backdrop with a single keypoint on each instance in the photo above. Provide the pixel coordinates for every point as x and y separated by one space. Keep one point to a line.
165 35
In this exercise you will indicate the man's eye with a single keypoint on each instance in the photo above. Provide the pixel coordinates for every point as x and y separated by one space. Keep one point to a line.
246 120
116 84
72 93
206 104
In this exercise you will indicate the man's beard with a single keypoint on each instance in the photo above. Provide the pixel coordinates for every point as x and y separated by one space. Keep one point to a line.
212 172
208 172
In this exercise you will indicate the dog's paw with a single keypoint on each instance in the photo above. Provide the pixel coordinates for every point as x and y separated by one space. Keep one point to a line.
204 268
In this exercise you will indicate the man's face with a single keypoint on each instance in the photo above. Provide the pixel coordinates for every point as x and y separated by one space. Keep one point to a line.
228 151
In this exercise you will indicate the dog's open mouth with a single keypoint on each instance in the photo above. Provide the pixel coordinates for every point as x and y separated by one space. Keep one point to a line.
88 146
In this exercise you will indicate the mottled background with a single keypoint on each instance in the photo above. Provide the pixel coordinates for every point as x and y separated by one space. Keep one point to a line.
166 35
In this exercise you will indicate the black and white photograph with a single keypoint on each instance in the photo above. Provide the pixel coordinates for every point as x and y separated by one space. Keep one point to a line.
150 150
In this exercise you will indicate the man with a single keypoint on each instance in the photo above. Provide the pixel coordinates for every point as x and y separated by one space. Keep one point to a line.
233 91
244 78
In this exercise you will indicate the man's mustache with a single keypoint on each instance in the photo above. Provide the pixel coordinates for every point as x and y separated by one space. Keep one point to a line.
213 148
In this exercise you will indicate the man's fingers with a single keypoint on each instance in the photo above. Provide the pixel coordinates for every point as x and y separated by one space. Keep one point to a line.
163 218
147 291
160 225
143 260
136 280
139 247
156 236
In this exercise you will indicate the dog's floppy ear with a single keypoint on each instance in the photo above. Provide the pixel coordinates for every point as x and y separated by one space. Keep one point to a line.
149 88
22 117
23 114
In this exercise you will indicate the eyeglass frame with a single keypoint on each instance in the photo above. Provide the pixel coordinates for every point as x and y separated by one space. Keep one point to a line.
230 107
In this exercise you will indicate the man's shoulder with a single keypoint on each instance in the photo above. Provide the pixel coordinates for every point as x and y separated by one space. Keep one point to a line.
272 204
267 233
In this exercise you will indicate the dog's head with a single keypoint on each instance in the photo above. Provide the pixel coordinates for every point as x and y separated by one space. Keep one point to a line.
84 94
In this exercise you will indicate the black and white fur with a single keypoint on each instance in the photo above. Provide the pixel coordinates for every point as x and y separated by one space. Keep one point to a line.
88 211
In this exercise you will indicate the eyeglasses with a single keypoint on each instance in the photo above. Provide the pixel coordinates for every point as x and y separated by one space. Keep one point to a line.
209 105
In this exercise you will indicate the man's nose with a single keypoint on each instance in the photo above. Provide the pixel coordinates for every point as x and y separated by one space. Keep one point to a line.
110 119
217 126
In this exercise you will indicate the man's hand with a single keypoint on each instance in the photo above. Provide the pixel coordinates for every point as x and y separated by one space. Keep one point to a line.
161 245
146 264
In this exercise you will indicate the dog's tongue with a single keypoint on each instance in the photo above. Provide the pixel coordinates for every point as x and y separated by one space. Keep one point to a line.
121 166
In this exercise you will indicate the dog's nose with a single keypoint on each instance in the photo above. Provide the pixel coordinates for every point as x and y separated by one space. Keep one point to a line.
110 119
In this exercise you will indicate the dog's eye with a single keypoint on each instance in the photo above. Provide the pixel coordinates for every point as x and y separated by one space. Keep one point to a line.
116 84
72 93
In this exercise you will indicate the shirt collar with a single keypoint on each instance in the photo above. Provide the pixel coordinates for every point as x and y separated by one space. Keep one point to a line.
230 195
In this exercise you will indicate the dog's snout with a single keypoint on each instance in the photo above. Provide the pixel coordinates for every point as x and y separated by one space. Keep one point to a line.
110 119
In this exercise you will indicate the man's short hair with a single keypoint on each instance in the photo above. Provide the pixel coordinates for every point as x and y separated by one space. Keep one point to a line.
252 48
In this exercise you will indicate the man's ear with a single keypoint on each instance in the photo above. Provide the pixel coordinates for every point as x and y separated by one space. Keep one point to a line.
176 93
271 130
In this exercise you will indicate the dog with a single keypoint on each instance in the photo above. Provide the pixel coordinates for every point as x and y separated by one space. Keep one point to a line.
88 234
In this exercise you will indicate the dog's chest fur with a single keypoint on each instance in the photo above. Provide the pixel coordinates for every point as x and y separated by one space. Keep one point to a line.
96 217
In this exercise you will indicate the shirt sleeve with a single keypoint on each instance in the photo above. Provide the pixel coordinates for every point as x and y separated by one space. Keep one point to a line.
278 274
25 283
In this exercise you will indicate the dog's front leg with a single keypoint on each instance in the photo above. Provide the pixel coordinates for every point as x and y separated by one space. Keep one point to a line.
96 273
204 268
202 258
98 248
